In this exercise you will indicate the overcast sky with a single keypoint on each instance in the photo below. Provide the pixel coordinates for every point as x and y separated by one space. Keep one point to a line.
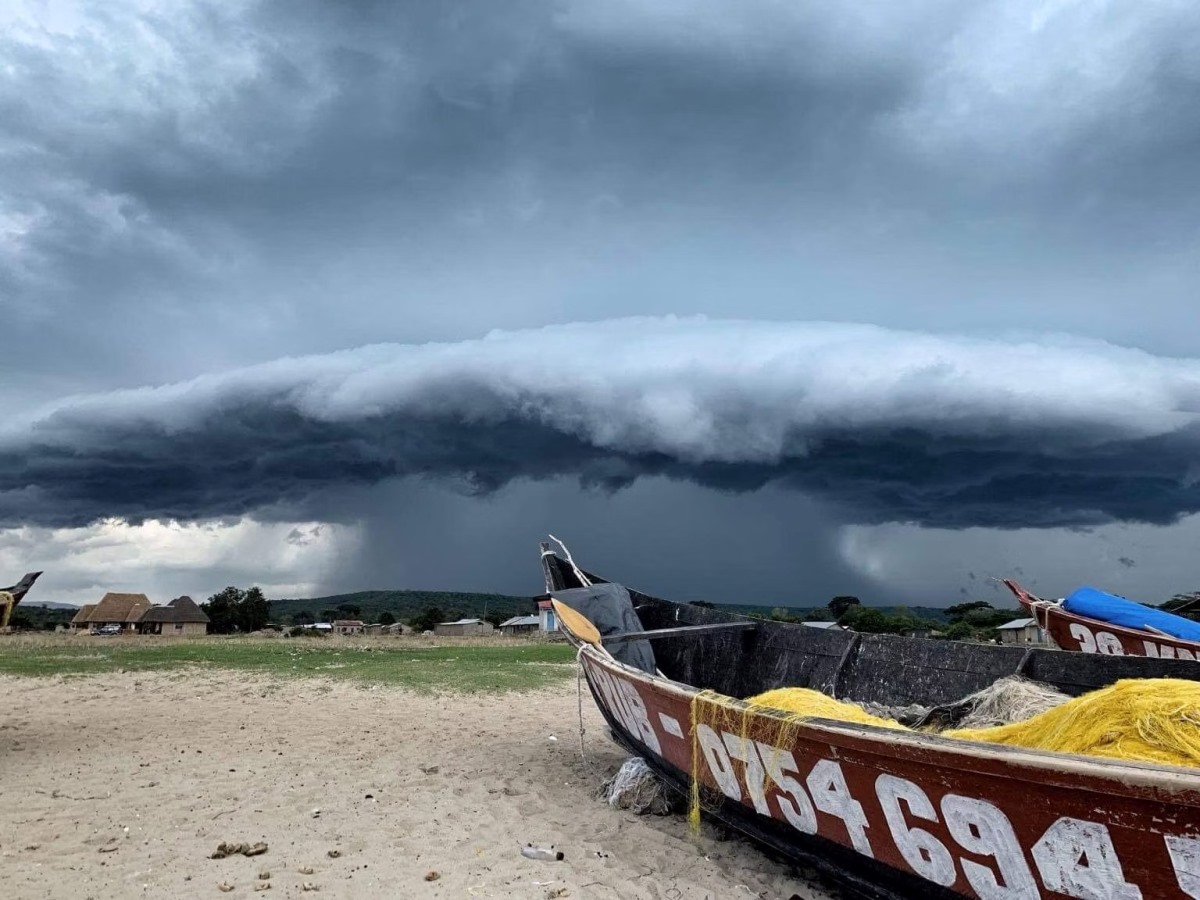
746 300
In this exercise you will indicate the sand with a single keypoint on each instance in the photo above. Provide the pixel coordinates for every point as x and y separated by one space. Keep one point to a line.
123 785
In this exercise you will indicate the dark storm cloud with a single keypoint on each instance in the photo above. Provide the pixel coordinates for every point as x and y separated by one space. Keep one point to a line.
886 426
771 547
195 185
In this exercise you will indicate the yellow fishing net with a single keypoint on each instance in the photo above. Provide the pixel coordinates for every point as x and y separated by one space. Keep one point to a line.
810 704
1154 720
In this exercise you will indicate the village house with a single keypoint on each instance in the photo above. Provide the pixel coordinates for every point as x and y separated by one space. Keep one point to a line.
1021 631
546 614
547 620
520 625
348 626
115 613
118 613
80 621
181 618
463 627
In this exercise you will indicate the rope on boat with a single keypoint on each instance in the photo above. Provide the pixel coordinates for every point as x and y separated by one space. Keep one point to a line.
579 696
583 579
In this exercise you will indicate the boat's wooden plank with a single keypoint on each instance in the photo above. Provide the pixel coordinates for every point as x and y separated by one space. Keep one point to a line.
681 631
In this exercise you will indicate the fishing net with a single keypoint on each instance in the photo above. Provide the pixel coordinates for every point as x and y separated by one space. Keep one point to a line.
905 715
1009 700
636 788
1137 720
811 704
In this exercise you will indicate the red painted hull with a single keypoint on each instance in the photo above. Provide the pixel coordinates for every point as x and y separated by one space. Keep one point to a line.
1082 634
958 817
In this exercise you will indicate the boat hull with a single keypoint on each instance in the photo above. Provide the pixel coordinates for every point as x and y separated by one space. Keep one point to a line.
893 814
1070 631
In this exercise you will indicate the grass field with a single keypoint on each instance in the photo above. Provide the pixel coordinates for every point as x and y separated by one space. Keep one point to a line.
468 665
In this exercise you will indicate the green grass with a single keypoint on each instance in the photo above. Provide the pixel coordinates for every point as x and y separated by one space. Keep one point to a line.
465 667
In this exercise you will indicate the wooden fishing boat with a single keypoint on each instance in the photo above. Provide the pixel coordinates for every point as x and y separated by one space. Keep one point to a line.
886 813
1071 631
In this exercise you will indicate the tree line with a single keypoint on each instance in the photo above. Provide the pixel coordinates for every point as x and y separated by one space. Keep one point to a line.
973 621
240 611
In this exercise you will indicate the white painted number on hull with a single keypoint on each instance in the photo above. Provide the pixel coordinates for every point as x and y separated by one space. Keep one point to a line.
1100 642
793 801
1185 857
979 827
925 854
719 763
1078 859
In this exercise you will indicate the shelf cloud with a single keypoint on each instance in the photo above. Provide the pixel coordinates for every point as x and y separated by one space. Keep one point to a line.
889 426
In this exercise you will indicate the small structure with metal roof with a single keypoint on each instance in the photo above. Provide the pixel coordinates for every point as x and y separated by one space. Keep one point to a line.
1021 631
463 627
521 625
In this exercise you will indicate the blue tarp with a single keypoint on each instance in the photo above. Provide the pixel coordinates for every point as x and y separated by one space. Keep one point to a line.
1096 604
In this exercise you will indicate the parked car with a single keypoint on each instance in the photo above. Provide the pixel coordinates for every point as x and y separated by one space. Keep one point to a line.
108 629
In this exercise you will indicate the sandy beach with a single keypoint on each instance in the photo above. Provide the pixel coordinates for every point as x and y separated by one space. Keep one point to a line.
123 785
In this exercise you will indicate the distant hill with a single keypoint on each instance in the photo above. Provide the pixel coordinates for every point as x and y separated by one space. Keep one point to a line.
49 604
405 605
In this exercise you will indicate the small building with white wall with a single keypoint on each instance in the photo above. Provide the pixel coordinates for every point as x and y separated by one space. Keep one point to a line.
1021 631
463 628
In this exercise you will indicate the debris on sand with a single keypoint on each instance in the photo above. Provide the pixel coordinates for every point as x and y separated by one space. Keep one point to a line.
262 885
546 853
636 788
224 887
226 849
305 870
432 875
334 854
